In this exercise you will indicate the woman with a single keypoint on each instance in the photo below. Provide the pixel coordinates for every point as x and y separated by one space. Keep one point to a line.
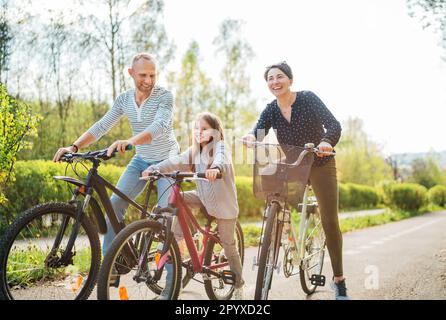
299 118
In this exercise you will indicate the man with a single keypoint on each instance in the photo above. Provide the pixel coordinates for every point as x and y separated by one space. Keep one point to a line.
149 110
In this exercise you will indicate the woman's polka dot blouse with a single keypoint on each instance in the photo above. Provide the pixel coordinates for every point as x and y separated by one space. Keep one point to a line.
311 121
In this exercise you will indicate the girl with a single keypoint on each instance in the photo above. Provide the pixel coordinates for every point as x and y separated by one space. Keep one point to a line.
209 154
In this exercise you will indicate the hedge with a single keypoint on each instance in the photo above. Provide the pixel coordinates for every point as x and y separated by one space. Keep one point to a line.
355 196
437 195
35 184
407 196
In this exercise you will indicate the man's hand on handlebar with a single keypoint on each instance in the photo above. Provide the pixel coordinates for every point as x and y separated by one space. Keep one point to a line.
119 145
62 151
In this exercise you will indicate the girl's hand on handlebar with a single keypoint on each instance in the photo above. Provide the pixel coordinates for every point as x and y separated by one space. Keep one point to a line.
247 139
147 172
211 174
324 147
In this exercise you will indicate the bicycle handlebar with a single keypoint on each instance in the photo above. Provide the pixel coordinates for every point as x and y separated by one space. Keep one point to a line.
177 175
308 147
91 155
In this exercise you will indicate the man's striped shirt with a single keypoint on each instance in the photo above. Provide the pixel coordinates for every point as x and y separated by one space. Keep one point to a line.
154 116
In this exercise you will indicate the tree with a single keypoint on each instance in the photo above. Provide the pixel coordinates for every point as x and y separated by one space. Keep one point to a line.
60 41
237 53
431 14
16 123
5 42
149 34
359 159
425 171
130 26
193 92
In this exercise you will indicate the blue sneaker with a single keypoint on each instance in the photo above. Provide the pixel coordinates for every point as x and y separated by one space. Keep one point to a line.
340 290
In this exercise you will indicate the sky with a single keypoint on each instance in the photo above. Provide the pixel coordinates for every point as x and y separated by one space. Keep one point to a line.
363 58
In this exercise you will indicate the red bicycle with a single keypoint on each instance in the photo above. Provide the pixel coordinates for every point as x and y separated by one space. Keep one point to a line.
138 256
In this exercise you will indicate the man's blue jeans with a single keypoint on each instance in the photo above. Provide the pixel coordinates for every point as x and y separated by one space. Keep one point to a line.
131 186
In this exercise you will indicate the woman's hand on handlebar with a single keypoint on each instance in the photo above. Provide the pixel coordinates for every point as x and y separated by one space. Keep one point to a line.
324 147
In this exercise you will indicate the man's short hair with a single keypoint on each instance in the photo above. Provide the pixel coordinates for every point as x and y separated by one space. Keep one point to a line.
143 55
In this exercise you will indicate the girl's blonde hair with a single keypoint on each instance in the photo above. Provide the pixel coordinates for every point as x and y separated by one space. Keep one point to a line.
216 124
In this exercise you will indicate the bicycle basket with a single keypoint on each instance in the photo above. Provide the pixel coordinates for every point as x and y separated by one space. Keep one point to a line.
275 176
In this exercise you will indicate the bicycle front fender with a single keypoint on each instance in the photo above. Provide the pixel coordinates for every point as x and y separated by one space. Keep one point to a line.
97 211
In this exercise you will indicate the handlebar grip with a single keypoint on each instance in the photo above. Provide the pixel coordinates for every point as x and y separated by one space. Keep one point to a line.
127 148
203 175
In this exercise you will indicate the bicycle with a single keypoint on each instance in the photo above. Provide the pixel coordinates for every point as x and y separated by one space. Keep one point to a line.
52 250
156 247
281 172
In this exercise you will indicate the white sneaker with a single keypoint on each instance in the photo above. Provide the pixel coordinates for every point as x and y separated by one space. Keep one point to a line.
238 293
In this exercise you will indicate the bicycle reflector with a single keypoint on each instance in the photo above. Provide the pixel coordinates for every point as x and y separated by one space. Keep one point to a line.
157 259
77 284
123 293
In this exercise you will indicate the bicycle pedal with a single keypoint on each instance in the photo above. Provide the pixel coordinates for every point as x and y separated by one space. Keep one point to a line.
317 280
228 277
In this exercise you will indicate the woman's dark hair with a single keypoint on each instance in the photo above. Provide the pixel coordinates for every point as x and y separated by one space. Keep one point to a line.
283 66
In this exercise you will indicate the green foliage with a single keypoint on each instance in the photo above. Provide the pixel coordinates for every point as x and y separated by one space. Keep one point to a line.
355 223
407 196
35 184
34 258
425 171
16 124
237 53
358 159
251 234
437 195
354 196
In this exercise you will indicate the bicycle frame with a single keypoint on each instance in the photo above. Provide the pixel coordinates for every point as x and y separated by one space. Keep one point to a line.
182 213
94 182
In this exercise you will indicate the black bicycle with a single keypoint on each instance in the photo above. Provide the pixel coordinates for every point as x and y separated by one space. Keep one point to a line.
52 250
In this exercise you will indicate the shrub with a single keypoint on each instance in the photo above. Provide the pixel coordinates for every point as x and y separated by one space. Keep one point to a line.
35 184
407 196
437 195
355 196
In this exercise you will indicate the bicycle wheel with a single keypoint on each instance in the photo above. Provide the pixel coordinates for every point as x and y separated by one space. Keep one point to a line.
129 269
313 259
268 253
30 269
215 288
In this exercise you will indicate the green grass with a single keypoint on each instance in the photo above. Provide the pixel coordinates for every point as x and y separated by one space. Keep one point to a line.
252 232
33 259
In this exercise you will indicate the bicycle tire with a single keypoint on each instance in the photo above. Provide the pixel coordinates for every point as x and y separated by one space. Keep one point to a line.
115 248
267 248
210 292
37 212
307 287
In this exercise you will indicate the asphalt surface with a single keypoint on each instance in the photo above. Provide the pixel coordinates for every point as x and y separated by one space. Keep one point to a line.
399 260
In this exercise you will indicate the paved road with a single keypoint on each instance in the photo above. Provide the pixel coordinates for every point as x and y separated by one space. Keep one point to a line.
400 260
